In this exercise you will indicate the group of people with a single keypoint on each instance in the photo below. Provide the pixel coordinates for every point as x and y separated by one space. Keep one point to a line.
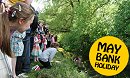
42 40
21 35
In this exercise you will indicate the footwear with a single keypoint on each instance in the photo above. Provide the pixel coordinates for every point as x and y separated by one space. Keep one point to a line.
17 77
22 75
36 67
33 68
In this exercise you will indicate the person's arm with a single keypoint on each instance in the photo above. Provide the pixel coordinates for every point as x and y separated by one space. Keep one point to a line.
45 43
52 54
13 66
52 39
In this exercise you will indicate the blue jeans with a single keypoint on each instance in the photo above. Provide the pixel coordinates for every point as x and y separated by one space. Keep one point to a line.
26 53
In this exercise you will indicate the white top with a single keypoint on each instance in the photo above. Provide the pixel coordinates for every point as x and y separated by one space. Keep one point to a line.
48 54
3 68
45 42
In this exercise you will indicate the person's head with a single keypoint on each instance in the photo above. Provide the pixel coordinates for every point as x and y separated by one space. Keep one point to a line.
54 45
40 24
44 24
28 1
55 37
4 31
52 35
21 15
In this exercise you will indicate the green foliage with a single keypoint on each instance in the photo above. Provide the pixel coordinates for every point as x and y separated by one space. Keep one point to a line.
59 17
61 68
90 21
122 22
81 22
122 25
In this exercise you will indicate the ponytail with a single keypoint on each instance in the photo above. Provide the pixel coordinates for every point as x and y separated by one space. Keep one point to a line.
4 31
1 23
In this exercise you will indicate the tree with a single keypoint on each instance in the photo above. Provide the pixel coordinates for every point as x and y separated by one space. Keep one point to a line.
81 22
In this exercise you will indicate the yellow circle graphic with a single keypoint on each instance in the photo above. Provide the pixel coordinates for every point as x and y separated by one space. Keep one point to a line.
108 55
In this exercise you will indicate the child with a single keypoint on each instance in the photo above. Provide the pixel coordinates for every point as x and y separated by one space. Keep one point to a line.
39 36
40 27
4 42
36 48
52 38
43 42
20 16
47 55
48 37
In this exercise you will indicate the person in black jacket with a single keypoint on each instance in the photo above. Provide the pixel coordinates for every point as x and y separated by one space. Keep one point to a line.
28 42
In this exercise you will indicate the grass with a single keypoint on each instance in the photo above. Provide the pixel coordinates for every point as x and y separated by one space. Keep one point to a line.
61 68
